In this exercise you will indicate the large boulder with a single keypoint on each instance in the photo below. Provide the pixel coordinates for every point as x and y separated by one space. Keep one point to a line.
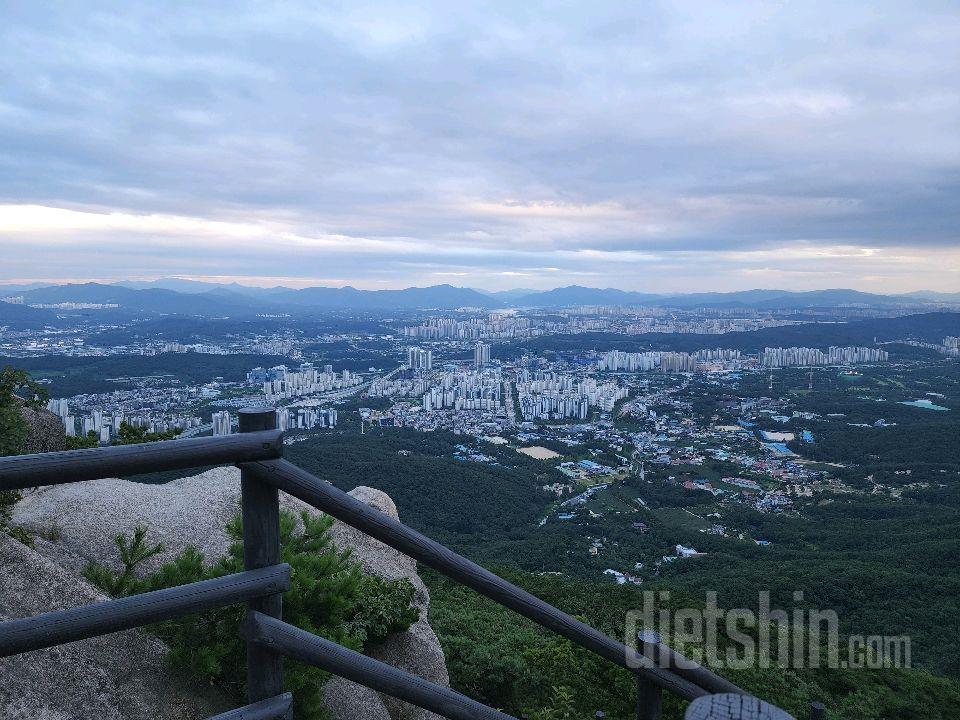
418 650
124 676
45 432
83 519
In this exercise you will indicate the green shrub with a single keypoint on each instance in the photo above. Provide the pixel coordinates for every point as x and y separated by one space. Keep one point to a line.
83 442
18 533
133 552
329 596
17 388
128 434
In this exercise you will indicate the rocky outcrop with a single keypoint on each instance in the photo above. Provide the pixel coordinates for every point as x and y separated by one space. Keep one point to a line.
124 676
417 651
45 431
85 517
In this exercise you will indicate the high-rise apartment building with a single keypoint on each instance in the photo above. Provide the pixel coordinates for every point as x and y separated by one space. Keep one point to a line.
419 359
222 423
481 355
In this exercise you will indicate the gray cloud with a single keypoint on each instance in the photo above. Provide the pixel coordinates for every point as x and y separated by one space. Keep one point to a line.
644 145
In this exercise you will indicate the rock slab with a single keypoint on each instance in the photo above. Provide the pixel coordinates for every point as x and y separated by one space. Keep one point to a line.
82 520
123 676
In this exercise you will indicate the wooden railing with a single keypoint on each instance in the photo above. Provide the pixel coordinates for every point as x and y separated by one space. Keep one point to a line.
257 450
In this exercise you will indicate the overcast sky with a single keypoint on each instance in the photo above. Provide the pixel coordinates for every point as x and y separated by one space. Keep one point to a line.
648 146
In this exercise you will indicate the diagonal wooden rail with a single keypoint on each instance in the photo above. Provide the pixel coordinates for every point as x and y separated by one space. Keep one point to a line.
322 495
309 648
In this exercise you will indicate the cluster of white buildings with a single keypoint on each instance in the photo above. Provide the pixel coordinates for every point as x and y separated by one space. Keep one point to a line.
306 418
465 390
701 326
222 423
495 325
205 349
552 396
478 389
75 306
675 362
292 418
105 424
804 356
951 346
718 355
404 387
264 347
281 383
275 347
667 362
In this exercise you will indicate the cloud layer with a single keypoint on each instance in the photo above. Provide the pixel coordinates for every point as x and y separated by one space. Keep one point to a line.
682 146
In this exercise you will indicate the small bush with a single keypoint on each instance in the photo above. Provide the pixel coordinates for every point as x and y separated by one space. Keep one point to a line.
52 533
17 388
329 596
83 442
18 533
133 552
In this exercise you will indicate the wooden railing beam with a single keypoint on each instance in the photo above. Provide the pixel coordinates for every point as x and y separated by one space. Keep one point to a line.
62 626
56 468
324 496
308 648
279 707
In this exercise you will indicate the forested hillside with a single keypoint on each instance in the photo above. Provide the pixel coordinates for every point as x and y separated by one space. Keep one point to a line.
504 660
454 500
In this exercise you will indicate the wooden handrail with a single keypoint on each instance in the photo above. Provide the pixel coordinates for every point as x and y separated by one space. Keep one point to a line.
297 482
62 626
67 466
650 645
314 650
279 707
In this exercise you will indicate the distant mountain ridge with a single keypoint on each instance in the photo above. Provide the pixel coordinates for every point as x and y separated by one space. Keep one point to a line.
151 300
759 299
234 300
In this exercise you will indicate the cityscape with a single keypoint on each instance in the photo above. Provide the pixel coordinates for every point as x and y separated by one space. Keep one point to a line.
485 361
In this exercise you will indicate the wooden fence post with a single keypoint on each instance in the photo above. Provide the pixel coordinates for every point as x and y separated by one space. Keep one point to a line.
649 700
261 548
649 696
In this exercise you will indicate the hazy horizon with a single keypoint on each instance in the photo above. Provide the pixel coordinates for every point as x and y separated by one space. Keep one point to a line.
140 283
669 148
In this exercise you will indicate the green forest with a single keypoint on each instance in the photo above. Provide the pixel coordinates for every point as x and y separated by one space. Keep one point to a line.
509 662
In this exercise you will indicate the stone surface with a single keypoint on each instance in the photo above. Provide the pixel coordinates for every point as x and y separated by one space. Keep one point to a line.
348 701
84 518
113 677
45 431
418 650
87 516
